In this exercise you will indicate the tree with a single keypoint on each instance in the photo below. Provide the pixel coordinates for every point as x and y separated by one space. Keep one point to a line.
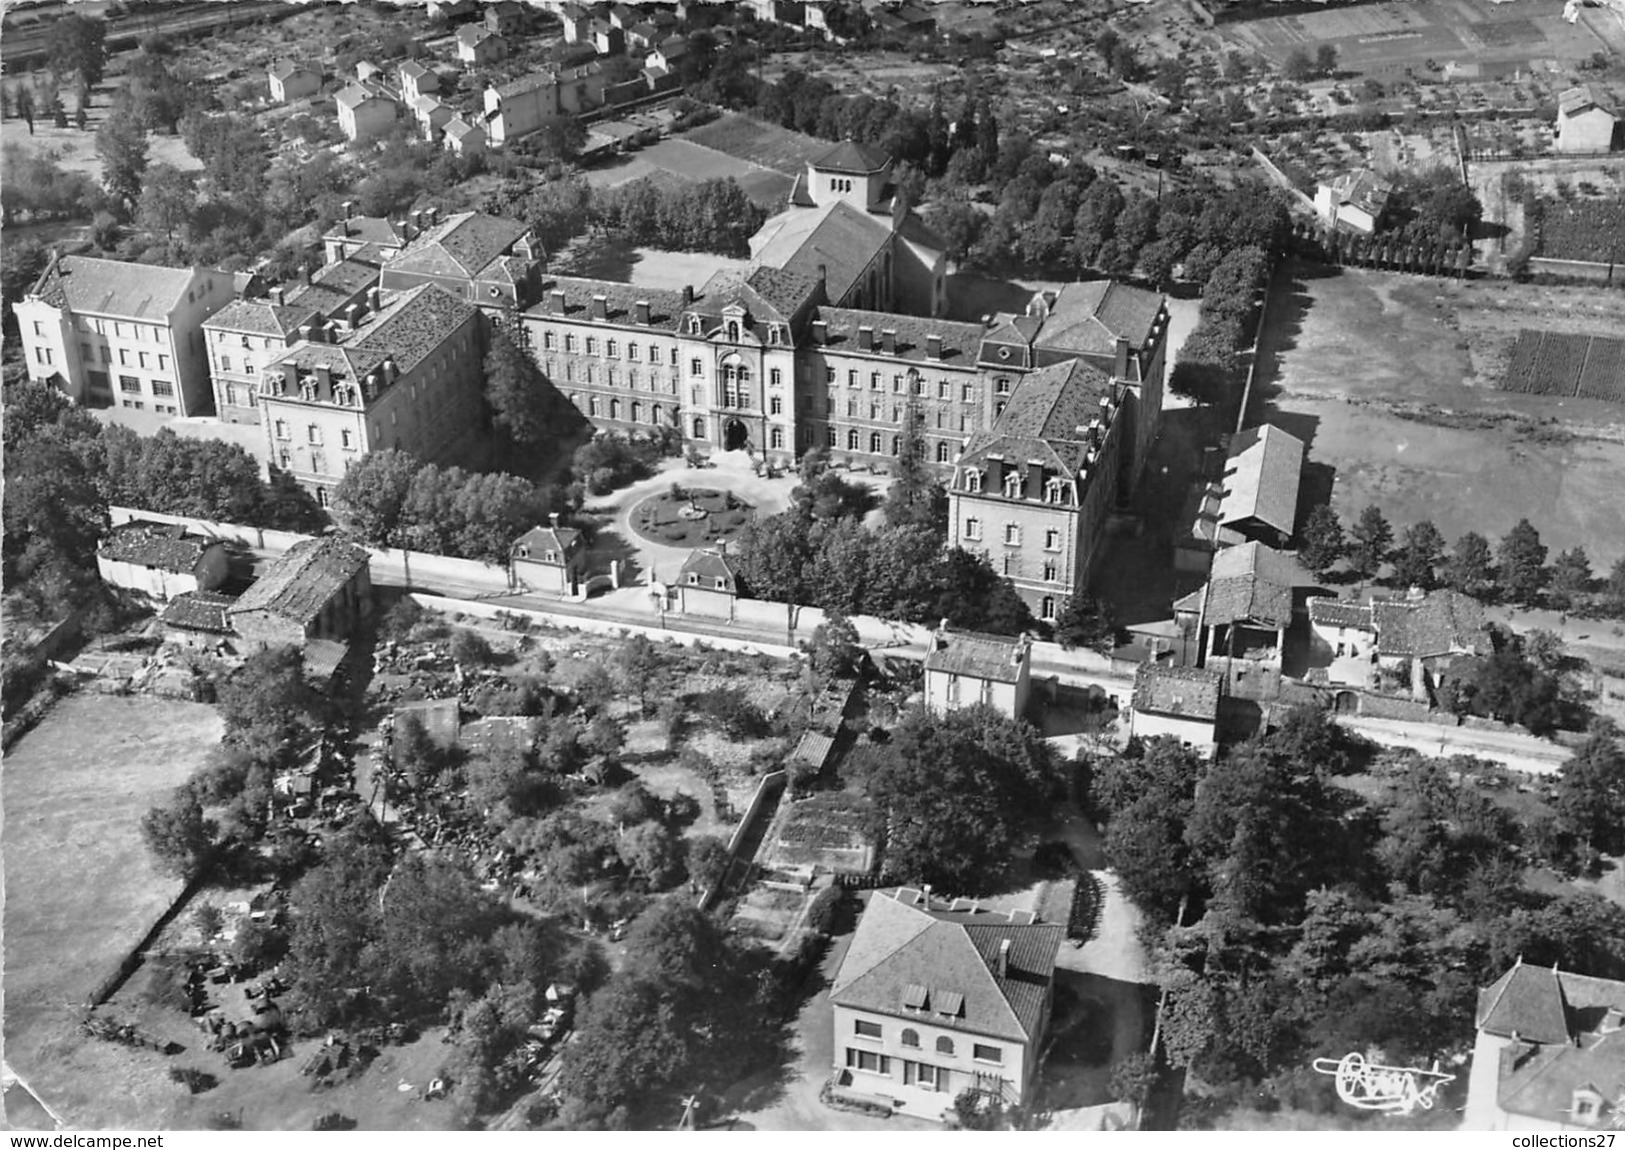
167 201
707 860
641 665
76 45
1133 1078
1086 622
1471 567
523 401
1299 67
178 835
1147 799
1420 552
1571 578
987 775
25 107
434 938
835 650
652 851
121 143
269 708
1321 542
1326 59
334 914
1521 560
916 498
1370 540
1591 792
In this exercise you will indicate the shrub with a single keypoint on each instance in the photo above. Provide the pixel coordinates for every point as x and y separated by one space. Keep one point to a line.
333 1120
471 649
826 906
732 712
196 1081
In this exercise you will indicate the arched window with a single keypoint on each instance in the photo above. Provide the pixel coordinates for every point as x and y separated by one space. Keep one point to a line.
896 445
775 437
943 452
733 331
874 443
945 1045
637 412
699 429
1047 611
911 1038
657 415
852 440
592 406
614 409
1012 485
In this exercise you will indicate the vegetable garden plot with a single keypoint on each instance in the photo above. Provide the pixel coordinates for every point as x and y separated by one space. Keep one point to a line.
1604 374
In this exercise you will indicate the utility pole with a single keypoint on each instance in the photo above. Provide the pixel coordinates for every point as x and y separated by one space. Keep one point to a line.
690 1104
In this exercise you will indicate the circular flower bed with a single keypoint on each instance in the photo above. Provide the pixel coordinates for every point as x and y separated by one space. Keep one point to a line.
690 517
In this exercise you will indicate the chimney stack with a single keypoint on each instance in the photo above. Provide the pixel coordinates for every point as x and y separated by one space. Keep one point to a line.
888 341
353 315
375 302
553 518
558 307
642 310
600 307
1121 368
866 338
417 220
307 332
933 346
349 210
371 385
823 273
820 331
688 294
304 274
276 296
1004 958
324 382
389 369
290 378
925 896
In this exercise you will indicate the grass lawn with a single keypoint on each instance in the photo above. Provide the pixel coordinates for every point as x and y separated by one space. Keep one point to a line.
1392 382
81 888
675 522
675 162
759 143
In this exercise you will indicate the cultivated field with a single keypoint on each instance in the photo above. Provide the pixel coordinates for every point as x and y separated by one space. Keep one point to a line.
1393 381
675 162
1387 40
756 142
81 890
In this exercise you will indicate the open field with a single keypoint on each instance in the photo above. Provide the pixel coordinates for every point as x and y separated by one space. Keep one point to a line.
1387 40
1393 381
756 142
81 888
672 163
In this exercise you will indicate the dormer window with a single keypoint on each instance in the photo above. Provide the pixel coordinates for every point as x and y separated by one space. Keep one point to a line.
722 584
973 482
693 579
693 325
1012 485
1055 491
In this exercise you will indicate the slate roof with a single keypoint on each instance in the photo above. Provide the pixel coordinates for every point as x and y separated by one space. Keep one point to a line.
1363 189
1558 1019
413 325
380 230
1251 583
1262 477
901 947
838 236
766 293
462 245
260 317
1188 692
1089 317
199 611
286 68
474 34
711 565
1441 623
541 540
336 282
526 83
1045 418
665 307
960 341
996 658
300 581
1543 1083
850 158
415 70
1340 613
168 546
93 286
354 95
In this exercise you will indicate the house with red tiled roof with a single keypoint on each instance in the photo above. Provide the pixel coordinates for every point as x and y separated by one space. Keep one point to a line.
1182 702
160 559
1415 637
1241 615
933 999
1549 1054
550 559
317 589
1255 499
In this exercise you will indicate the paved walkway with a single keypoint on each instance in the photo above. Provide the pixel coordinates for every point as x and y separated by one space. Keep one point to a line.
1511 749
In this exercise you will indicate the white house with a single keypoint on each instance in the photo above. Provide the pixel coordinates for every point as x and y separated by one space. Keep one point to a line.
463 138
431 115
290 81
417 80
963 669
1584 122
365 112
1354 201
1178 701
709 583
478 45
160 559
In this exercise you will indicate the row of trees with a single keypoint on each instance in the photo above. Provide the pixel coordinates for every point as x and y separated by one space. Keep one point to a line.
1208 362
1513 570
1315 922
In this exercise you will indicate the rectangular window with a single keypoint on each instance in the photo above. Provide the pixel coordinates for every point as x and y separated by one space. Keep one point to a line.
124 357
281 429
162 387
973 529
874 381
1052 540
863 1028
347 440
87 353
776 405
163 364
1049 572
129 383
611 348
569 343
632 352
987 1053
100 382
550 341
851 379
829 375
39 328
145 359
695 367
871 1061
592 345
225 363
1012 534
43 354
775 377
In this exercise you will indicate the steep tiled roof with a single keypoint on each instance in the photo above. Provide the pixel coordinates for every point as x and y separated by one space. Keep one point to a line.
837 237
286 68
354 95
300 581
457 128
901 948
1251 583
413 325
199 611
1542 1083
168 546
1573 101
474 34
959 340
1088 317
996 658
1189 692
1262 477
415 70
665 307
1338 613
711 565
1526 1001
1046 418
93 286
541 540
1567 1035
851 158
259 317
460 245
380 230
526 83
1364 189
1442 623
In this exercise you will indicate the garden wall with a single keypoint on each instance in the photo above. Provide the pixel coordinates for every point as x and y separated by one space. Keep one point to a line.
1575 269
258 538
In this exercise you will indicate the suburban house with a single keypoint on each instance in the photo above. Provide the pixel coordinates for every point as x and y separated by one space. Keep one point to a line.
431 115
965 669
607 39
1550 1053
1255 500
1033 494
463 138
506 17
161 560
708 585
1414 638
1242 613
577 23
1354 201
376 238
478 45
933 999
366 70
407 377
519 107
245 334
89 323
366 111
200 620
417 80
669 53
317 589
1179 701
1585 123
290 81
449 10
549 559
489 262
